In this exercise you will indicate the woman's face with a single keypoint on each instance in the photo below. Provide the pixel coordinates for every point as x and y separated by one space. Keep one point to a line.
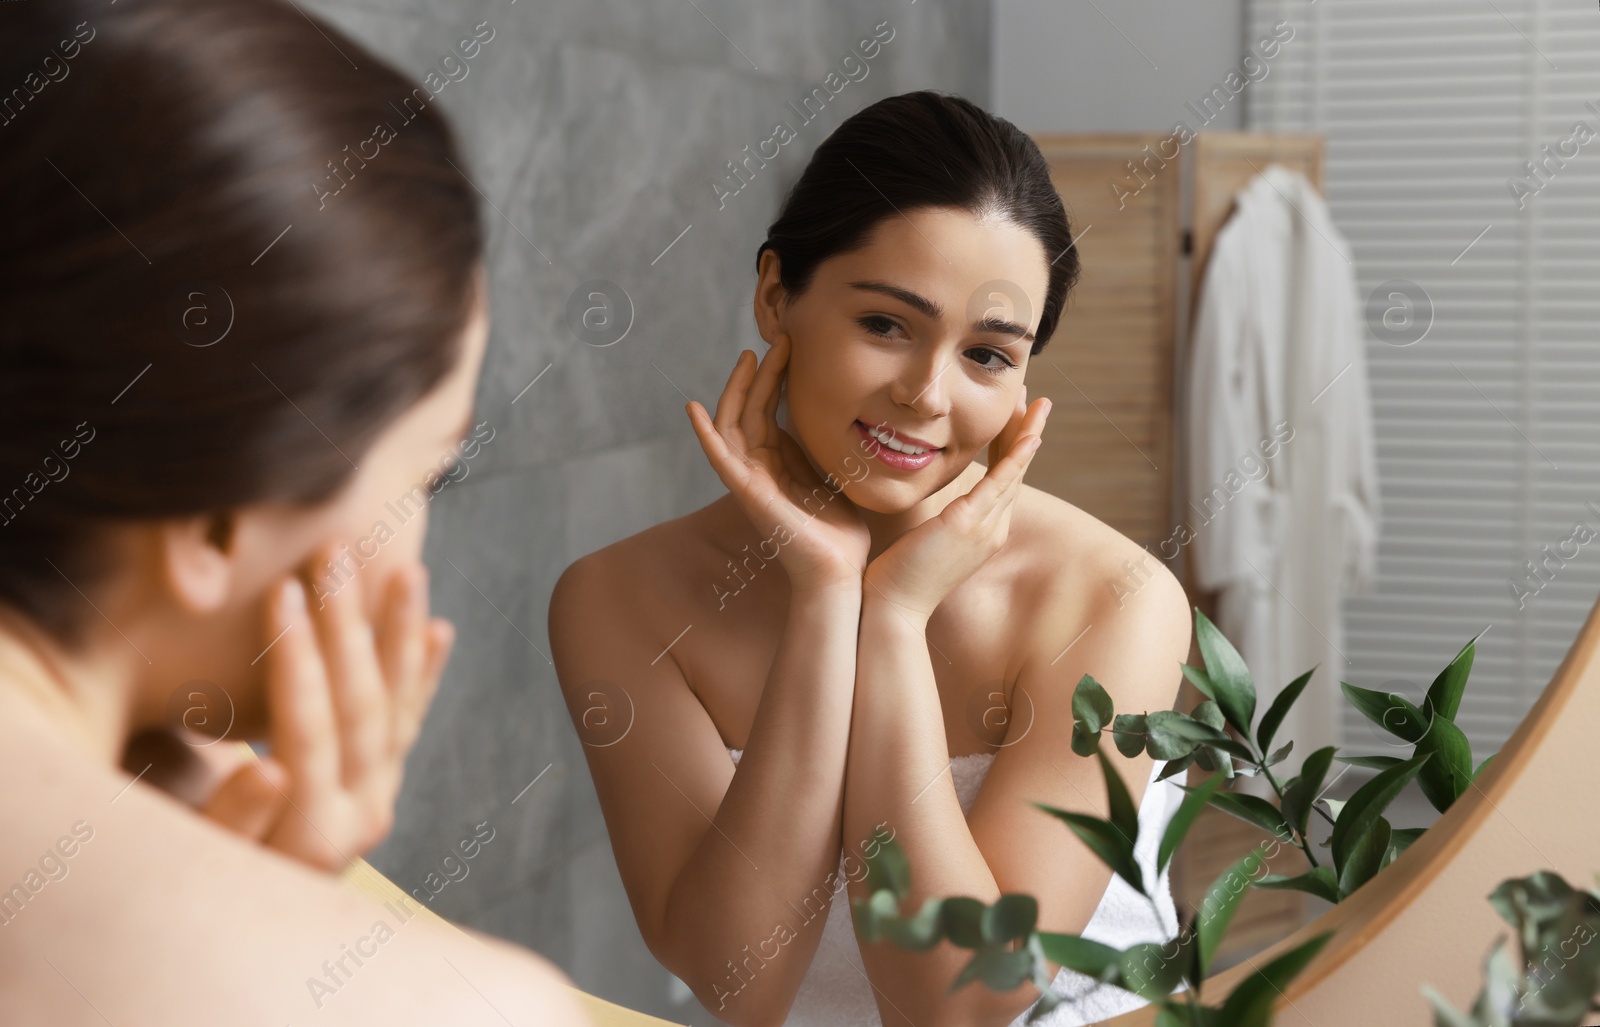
923 332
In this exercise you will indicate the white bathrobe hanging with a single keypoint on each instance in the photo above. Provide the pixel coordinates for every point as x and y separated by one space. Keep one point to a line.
1283 489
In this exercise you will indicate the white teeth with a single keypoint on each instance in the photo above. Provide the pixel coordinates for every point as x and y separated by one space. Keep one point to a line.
895 444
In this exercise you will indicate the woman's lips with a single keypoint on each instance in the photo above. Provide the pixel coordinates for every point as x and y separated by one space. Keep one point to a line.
897 460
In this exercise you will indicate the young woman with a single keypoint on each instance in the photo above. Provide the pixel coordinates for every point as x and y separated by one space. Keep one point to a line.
212 375
872 632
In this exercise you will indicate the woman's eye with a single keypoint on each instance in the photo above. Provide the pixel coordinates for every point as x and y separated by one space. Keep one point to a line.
995 368
876 325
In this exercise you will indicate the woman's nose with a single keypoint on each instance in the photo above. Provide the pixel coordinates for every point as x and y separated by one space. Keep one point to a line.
924 386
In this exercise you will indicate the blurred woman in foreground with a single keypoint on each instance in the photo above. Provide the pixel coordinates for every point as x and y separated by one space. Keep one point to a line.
242 312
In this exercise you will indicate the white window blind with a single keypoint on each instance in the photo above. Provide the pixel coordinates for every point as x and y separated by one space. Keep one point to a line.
1488 428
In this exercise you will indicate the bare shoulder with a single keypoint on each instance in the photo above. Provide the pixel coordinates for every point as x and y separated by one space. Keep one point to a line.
192 925
652 564
1072 550
1078 570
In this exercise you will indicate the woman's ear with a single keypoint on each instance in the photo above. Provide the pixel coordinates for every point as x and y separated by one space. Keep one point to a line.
769 298
199 556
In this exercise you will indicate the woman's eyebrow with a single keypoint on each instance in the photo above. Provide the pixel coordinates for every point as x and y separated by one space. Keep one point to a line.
932 310
1003 327
921 304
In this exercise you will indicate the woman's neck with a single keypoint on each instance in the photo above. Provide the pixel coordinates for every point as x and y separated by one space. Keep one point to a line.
84 696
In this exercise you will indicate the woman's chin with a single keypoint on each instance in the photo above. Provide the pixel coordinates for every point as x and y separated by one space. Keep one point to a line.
887 498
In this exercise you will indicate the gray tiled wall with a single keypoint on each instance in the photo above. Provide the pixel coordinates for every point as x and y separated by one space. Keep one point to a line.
594 129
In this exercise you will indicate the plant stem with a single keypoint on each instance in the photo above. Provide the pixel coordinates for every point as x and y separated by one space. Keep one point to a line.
1305 843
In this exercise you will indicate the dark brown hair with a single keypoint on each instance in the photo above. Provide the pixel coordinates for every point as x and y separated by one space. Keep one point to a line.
236 246
917 150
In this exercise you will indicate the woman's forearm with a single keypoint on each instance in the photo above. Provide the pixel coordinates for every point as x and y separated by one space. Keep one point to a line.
899 762
899 774
757 889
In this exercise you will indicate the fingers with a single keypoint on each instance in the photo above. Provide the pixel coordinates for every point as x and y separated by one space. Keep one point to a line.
403 648
730 406
303 733
758 419
439 637
1001 444
999 486
360 700
252 799
440 640
1031 436
777 391
731 466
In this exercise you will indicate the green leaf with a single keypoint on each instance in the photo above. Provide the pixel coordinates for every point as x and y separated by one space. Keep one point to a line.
1279 709
1097 960
1444 695
1445 777
1175 767
1209 713
1184 818
1128 731
1365 857
1250 1004
1220 902
1084 742
1000 969
1501 977
1335 807
1149 972
1485 763
1198 733
1200 679
1400 838
1277 757
1124 814
1230 678
1043 975
1114 848
872 913
962 920
1302 791
1319 882
1163 742
1389 710
1091 706
1012 916
1367 804
1542 895
920 932
1252 809
889 868
1372 762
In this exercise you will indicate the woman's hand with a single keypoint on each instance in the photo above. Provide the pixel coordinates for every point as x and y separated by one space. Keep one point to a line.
821 540
346 704
925 564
